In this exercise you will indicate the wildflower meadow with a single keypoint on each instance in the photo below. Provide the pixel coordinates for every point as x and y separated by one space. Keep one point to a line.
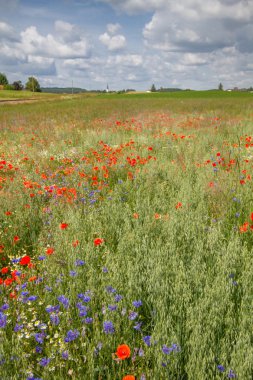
126 237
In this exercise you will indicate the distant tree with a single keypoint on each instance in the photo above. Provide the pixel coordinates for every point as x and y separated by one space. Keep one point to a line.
17 85
220 87
153 89
32 85
3 79
9 87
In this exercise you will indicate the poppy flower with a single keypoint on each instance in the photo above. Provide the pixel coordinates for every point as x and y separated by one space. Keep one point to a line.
4 270
25 260
129 377
178 205
75 243
63 226
98 241
135 215
49 251
251 216
8 213
123 351
16 239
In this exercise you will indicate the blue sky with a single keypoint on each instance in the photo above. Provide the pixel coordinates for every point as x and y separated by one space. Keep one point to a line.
128 43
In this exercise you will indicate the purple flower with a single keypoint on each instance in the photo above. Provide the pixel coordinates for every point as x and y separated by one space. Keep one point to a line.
118 298
44 362
133 315
108 327
110 289
88 320
141 352
39 337
166 350
65 355
64 300
38 349
4 307
137 303
18 327
137 327
79 263
147 340
51 309
54 319
3 320
105 270
220 368
72 273
112 307
71 335
32 298
231 374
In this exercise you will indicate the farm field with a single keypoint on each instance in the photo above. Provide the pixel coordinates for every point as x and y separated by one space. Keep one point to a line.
126 237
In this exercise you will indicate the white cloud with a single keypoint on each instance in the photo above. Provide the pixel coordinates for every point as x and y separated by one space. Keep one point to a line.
113 28
132 60
34 43
113 43
7 32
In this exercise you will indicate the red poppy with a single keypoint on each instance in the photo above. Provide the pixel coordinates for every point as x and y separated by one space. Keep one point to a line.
75 243
25 260
98 241
49 251
4 270
16 238
251 216
63 226
129 377
135 215
8 213
123 351
178 205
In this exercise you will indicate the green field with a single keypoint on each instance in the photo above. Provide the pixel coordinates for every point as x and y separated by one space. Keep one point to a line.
126 220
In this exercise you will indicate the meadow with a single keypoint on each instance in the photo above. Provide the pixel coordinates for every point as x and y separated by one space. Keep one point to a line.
126 237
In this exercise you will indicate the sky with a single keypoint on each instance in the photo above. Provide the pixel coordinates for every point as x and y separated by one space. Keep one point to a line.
126 44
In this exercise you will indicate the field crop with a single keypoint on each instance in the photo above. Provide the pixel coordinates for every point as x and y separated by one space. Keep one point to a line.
126 237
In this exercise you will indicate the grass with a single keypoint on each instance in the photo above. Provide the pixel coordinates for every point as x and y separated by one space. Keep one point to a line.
112 199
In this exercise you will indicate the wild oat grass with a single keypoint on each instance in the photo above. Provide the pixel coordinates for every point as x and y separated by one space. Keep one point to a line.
127 220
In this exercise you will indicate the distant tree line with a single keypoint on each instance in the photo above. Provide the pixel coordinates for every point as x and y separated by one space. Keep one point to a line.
32 84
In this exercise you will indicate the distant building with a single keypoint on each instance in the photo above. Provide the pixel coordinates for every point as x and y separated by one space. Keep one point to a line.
107 88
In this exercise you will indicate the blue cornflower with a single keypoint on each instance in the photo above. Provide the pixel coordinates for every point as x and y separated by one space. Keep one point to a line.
141 352
48 288
51 309
72 273
24 294
110 289
18 327
137 303
44 362
86 299
166 350
3 320
38 349
137 327
32 298
4 307
64 300
54 319
231 374
83 311
71 335
79 263
147 340
105 270
220 368
39 337
133 315
42 257
112 307
31 377
118 298
88 320
175 347
65 355
108 327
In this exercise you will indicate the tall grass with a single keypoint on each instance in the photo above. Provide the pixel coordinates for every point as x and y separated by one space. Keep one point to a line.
113 200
